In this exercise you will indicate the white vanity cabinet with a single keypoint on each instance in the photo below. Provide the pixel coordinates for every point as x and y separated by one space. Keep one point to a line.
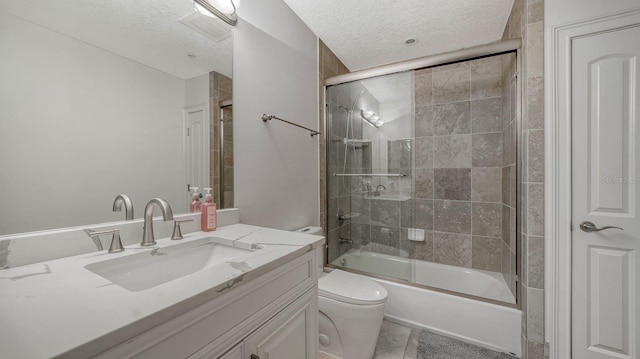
286 335
271 316
234 353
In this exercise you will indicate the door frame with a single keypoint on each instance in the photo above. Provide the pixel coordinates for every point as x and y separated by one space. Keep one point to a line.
558 171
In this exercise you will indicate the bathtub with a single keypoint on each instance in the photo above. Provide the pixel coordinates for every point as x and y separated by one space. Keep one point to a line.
488 325
480 283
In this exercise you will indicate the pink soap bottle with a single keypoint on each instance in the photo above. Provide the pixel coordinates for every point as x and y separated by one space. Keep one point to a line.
209 214
195 205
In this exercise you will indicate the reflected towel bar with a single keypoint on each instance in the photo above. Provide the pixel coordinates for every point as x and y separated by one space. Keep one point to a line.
369 175
266 118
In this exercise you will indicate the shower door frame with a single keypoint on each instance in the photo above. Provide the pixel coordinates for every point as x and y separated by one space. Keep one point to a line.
483 51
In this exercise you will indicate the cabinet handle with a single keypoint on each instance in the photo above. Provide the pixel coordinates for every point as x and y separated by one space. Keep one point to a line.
253 356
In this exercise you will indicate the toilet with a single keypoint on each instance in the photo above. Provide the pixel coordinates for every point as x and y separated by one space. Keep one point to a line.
351 310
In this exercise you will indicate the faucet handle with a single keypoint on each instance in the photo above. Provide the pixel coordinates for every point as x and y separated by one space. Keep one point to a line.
116 243
177 233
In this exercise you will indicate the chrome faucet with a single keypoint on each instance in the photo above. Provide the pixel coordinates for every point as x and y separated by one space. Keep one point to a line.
148 238
128 206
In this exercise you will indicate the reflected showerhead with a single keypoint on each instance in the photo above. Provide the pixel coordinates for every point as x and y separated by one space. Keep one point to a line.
370 118
367 115
345 108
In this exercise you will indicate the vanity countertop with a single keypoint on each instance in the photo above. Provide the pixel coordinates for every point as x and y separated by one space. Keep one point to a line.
59 307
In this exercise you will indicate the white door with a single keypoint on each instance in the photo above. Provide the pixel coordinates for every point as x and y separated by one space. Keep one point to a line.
605 119
196 148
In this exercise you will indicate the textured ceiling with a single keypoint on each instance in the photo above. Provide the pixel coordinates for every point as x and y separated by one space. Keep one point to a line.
145 31
368 33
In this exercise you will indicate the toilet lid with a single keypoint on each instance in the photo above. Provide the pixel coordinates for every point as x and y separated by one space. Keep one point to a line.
351 288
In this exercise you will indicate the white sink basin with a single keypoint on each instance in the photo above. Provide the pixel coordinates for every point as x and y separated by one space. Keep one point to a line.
148 269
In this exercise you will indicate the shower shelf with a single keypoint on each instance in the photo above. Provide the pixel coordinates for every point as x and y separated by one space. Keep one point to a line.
369 175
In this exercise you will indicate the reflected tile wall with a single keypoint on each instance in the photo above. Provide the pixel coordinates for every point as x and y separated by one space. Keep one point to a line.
220 89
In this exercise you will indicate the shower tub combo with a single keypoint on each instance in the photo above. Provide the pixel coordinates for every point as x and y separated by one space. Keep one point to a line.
421 169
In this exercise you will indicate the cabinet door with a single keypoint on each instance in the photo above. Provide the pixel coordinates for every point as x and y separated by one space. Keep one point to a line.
235 353
290 334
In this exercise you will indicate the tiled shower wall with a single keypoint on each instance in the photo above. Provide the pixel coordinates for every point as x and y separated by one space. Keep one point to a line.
462 148
526 22
220 89
459 162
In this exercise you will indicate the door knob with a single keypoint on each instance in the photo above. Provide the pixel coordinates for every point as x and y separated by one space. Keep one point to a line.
590 227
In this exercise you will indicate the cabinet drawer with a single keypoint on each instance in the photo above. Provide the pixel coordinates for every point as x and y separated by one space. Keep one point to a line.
221 317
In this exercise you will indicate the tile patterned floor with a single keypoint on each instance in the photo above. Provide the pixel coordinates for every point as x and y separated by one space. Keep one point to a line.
399 342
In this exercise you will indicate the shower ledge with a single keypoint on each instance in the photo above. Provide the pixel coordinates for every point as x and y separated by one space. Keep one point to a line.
390 197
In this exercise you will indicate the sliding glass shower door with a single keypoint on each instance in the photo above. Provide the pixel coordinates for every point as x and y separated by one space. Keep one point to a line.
422 177
370 173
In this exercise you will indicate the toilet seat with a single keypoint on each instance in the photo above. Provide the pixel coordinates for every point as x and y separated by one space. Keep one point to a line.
349 288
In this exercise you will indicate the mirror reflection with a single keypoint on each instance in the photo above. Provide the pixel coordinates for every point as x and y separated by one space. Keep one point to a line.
105 98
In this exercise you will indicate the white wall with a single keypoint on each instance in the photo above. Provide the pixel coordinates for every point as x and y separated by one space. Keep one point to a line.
559 12
80 125
197 91
275 71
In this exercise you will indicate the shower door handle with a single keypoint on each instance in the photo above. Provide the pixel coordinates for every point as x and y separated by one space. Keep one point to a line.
591 227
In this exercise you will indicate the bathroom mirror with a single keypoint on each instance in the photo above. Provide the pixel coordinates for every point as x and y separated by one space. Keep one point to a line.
99 98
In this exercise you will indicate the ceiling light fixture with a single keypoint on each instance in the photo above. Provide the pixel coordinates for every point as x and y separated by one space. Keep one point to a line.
225 10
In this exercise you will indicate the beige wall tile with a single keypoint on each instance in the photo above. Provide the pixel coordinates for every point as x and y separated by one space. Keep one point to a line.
535 11
535 103
486 184
452 151
535 50
487 253
452 118
486 115
453 249
486 219
451 86
535 156
486 80
452 183
452 216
